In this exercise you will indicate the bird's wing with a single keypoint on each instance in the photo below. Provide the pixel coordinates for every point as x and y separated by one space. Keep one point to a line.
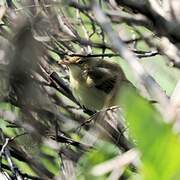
103 78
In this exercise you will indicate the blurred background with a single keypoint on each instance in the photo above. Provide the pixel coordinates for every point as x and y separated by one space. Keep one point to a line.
44 131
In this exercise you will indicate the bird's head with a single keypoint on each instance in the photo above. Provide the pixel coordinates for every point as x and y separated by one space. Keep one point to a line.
77 65
80 61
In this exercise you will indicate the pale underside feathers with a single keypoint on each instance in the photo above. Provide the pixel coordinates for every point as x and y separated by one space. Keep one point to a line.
93 81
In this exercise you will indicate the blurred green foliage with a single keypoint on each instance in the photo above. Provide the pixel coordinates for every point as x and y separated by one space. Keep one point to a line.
103 152
159 146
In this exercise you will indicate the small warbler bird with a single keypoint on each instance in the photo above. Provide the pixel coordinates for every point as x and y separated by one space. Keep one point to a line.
94 82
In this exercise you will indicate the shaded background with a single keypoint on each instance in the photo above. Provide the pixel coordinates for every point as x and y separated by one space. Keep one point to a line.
45 134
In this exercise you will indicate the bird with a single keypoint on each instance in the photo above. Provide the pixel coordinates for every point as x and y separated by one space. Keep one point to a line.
94 82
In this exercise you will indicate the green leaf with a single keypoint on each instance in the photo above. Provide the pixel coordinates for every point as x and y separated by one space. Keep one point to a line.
158 144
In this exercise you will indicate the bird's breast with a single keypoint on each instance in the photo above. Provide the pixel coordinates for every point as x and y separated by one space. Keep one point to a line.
87 94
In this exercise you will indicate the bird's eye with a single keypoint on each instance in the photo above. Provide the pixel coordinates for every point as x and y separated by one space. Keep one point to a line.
80 62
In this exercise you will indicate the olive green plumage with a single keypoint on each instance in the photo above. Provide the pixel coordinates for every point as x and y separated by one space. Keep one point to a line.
94 82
